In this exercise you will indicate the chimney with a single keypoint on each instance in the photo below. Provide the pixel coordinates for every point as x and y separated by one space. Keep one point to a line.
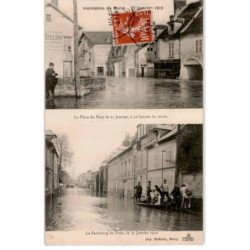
127 141
54 2
178 5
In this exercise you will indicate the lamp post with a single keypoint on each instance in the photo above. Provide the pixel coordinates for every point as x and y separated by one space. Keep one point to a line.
163 151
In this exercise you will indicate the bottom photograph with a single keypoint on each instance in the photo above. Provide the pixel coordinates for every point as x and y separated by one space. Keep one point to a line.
117 182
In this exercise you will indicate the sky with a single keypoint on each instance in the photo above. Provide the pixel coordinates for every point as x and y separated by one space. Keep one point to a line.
88 18
91 142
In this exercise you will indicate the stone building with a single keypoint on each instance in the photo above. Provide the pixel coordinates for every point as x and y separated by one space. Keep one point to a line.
179 46
144 60
59 40
161 149
120 169
51 166
94 48
191 40
95 182
121 61
157 153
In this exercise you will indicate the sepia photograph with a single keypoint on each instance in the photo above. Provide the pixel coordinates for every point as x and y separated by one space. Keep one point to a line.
109 178
120 55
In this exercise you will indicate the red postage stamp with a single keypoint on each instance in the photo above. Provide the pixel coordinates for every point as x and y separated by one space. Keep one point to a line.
132 27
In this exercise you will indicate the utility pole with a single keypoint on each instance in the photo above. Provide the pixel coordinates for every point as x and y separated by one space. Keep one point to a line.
76 57
177 169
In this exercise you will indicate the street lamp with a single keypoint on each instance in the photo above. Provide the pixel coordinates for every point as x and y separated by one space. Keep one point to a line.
163 151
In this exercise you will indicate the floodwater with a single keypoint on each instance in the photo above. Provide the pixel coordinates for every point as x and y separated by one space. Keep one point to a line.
76 209
137 93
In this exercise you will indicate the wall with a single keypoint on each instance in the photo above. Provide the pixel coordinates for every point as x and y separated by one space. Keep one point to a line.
193 182
84 51
155 155
100 57
188 52
156 178
54 33
120 175
130 61
51 172
157 171
163 49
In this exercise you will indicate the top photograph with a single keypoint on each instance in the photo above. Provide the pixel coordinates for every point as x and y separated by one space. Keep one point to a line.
127 54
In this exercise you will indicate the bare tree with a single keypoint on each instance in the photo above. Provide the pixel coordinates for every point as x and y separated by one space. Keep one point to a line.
64 150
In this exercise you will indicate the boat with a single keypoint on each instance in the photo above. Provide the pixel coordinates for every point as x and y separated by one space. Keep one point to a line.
143 204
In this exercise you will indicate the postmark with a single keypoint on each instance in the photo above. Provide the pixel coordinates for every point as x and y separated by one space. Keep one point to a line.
132 27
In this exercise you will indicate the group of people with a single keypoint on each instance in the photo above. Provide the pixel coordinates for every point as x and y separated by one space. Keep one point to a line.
177 198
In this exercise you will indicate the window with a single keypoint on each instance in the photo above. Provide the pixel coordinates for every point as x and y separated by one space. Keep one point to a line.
150 49
48 18
171 49
100 71
198 46
67 44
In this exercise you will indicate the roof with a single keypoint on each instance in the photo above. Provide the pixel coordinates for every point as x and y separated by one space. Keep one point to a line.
163 126
118 52
168 135
195 26
186 16
62 13
117 153
97 37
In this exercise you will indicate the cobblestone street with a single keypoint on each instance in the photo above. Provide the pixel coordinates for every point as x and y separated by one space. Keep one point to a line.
137 93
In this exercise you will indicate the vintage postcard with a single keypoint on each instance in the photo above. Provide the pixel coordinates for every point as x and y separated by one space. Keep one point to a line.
123 122
112 181
111 54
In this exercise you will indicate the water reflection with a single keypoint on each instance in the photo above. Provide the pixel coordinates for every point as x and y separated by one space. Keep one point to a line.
137 93
78 209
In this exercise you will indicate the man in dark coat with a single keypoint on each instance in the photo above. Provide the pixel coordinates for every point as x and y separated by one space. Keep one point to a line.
176 195
138 191
51 80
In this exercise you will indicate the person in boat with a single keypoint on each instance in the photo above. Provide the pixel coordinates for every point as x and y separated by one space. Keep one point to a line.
176 196
165 190
160 192
138 192
51 80
148 194
154 197
185 196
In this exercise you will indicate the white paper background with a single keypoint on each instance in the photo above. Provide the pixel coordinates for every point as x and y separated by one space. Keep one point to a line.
226 124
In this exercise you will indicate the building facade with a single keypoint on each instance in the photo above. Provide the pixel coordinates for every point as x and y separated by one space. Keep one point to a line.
144 60
94 48
59 40
156 153
162 150
121 61
51 166
95 182
191 40
179 46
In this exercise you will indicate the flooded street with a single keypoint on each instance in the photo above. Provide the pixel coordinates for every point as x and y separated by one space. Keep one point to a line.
76 209
137 93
